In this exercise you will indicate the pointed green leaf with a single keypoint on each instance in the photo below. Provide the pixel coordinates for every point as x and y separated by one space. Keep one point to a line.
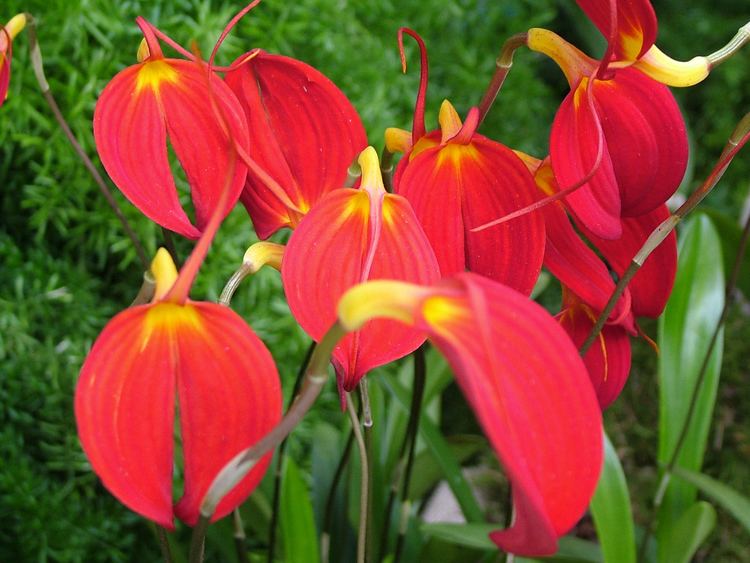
726 497
611 511
685 330
685 536
297 523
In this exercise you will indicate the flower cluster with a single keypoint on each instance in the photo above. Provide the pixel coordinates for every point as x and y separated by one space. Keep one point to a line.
449 249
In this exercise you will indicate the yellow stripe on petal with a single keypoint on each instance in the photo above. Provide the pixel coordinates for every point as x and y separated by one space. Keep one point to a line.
164 271
155 73
380 299
573 62
440 312
397 140
372 178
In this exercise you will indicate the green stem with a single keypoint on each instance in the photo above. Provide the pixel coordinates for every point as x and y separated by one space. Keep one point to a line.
38 66
239 536
280 458
503 64
386 169
166 552
364 402
197 541
315 377
146 293
415 412
692 405
364 480
328 518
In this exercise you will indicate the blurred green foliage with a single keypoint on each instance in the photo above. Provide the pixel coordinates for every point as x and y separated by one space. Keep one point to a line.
66 266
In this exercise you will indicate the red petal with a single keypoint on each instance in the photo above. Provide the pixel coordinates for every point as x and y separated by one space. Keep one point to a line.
456 187
608 359
636 25
652 285
124 406
646 139
530 391
337 247
304 132
5 58
574 145
578 267
229 398
131 122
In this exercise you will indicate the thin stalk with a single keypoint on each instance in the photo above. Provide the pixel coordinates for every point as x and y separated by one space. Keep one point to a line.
503 64
280 458
682 436
239 536
197 540
420 372
166 552
325 536
364 403
412 426
353 173
38 66
364 480
738 139
146 292
386 169
315 377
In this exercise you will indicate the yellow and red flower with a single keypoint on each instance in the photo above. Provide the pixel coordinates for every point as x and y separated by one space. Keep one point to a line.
7 34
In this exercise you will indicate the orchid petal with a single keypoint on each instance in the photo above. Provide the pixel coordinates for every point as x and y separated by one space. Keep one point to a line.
636 25
304 132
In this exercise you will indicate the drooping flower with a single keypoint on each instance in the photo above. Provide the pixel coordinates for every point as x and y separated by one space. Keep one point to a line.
621 125
524 380
457 179
7 34
351 236
161 103
201 354
304 134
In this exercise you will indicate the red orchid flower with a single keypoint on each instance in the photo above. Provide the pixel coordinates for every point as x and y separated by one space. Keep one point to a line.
524 380
456 179
7 34
223 376
620 124
160 100
351 236
608 360
304 134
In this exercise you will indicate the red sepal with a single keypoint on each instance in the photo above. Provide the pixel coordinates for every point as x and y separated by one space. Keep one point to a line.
608 359
229 397
636 25
6 54
304 133
651 286
348 238
531 394
168 99
457 186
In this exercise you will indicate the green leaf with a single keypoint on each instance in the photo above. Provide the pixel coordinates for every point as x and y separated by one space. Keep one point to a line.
442 454
611 511
685 330
297 524
684 538
728 498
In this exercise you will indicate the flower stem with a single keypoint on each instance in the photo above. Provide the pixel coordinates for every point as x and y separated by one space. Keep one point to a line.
364 480
197 540
682 436
325 536
503 63
738 139
280 458
166 552
38 66
239 536
420 372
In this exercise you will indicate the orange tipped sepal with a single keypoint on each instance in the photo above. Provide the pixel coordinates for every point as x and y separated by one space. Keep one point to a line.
160 100
526 384
224 379
351 236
